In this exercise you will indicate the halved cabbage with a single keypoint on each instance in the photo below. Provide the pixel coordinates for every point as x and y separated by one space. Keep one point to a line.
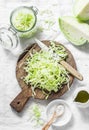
81 9
75 31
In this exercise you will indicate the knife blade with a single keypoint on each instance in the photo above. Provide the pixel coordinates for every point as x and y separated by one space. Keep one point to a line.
68 67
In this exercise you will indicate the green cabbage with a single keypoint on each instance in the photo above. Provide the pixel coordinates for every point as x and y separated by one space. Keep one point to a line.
81 9
74 30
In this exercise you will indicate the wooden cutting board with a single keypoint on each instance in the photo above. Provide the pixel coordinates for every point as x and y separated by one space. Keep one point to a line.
19 102
20 72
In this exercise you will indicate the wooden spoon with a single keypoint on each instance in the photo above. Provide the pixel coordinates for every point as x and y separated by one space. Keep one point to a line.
57 113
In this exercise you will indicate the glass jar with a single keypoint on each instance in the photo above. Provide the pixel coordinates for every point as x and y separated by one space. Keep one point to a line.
8 37
9 34
23 20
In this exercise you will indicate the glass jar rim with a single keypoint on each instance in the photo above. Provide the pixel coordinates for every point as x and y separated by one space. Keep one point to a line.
26 7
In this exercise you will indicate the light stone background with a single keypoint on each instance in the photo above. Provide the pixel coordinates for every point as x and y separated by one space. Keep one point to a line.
9 87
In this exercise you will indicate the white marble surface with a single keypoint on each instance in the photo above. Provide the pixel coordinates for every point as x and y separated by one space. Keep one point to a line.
8 83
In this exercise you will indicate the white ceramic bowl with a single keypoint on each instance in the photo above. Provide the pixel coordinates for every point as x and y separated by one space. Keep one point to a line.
82 105
65 118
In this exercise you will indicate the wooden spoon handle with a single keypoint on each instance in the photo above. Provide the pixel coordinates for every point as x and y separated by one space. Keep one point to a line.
50 122
46 127
20 100
74 72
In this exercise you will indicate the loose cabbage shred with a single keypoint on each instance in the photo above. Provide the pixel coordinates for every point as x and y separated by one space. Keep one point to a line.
37 113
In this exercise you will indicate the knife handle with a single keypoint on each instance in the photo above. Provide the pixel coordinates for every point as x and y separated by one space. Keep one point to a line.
74 72
20 100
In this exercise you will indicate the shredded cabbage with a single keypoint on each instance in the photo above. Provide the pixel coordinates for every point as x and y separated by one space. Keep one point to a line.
36 112
36 115
23 20
44 72
59 50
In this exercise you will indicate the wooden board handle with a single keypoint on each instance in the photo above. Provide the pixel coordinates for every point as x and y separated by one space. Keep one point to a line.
74 72
19 102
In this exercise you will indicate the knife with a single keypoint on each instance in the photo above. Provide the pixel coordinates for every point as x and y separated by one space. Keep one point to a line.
68 67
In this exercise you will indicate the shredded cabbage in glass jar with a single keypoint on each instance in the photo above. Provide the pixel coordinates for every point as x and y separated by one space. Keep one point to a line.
23 20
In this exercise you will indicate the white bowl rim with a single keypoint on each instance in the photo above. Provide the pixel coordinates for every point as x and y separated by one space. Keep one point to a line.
63 102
